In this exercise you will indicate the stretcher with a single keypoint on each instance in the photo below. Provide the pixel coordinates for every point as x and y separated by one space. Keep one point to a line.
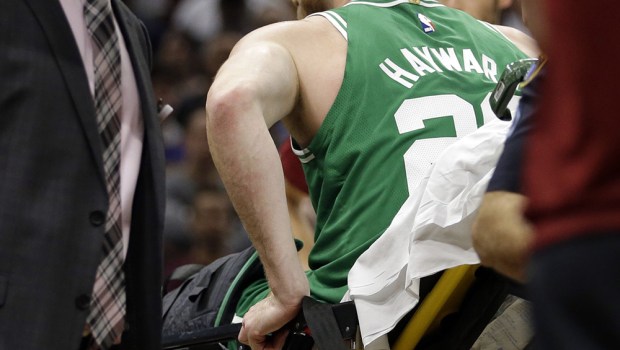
460 303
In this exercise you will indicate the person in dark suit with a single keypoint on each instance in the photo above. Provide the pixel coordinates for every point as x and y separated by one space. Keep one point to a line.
57 204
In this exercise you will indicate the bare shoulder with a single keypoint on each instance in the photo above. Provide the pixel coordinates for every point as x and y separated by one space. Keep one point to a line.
292 34
523 41
314 55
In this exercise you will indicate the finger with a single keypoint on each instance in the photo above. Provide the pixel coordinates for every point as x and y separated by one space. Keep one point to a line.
243 334
254 339
257 343
278 339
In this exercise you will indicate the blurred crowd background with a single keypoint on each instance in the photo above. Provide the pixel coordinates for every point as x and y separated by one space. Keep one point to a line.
190 40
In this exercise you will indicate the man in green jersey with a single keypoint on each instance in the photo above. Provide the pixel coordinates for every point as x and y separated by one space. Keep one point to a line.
371 92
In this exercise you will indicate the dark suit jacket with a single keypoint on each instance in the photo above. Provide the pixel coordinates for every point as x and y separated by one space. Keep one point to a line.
52 189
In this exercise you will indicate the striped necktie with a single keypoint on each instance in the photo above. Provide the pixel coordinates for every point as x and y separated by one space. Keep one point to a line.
107 311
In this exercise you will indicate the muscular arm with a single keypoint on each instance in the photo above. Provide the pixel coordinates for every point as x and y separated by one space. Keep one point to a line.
256 87
501 236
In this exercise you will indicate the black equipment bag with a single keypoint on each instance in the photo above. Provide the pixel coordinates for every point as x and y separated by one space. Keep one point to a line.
208 298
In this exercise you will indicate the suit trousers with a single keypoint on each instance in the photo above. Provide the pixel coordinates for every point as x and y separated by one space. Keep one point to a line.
574 286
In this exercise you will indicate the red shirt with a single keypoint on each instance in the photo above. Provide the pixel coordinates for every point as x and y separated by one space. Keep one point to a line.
572 169
293 171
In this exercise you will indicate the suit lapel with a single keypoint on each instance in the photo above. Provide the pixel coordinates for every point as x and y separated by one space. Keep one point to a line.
54 23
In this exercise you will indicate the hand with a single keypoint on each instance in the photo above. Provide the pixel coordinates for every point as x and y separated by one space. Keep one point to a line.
267 318
501 235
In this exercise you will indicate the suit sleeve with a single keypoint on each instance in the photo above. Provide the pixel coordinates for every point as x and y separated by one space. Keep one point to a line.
507 175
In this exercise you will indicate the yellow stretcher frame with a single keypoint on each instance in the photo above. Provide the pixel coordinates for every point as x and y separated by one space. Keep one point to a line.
444 299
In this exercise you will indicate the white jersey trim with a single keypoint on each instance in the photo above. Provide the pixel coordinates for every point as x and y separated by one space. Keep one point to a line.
394 3
304 155
336 20
341 25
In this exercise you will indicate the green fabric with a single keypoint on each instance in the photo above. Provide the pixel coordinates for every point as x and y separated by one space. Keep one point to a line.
356 162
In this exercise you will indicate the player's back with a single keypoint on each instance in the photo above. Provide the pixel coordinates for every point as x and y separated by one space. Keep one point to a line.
417 77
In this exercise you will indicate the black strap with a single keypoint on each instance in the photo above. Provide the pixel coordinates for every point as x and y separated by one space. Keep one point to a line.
322 324
202 337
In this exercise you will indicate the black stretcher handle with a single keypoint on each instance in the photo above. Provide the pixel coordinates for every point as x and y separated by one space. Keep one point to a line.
207 336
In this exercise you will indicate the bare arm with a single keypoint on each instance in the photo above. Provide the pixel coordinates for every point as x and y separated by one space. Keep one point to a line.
501 236
256 87
524 42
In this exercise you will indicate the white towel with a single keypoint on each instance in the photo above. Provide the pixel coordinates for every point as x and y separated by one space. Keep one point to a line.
436 222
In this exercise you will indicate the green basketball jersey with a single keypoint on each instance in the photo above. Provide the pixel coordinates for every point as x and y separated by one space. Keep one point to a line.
417 77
